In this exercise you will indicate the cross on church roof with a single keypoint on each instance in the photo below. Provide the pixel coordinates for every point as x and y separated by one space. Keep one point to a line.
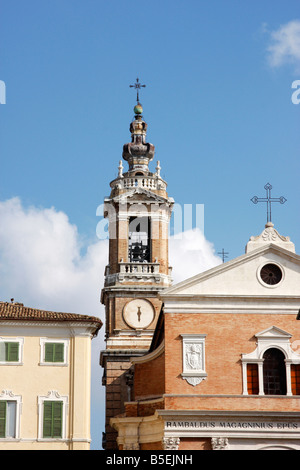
137 86
268 199
224 254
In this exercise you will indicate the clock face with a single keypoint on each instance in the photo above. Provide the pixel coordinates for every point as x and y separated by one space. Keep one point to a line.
138 313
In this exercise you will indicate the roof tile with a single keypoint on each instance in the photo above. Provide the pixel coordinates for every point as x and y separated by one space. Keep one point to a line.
17 311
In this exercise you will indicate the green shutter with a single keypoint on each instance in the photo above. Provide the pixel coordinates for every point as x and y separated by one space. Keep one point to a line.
47 419
12 352
2 352
52 419
49 347
58 352
2 418
54 352
57 419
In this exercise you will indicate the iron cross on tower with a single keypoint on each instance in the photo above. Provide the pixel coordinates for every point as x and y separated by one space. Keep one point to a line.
268 199
137 86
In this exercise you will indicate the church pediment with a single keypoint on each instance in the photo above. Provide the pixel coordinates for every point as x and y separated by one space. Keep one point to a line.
267 271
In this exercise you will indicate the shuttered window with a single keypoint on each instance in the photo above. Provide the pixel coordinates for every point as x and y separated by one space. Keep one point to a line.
295 378
52 427
252 379
54 352
9 351
2 418
7 419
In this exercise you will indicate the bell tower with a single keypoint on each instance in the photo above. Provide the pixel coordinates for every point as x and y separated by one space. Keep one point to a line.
138 212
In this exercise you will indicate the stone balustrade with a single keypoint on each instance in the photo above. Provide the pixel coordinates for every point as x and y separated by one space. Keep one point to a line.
139 268
146 182
135 272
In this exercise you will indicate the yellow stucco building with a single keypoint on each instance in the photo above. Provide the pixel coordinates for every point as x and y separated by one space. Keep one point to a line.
45 378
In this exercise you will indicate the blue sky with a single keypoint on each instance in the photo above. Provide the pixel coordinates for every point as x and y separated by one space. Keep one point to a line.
218 105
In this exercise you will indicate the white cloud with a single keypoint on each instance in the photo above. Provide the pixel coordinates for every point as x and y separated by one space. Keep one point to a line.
43 265
284 47
189 254
41 262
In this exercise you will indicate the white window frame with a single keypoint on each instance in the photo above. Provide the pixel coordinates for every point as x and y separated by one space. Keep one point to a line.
44 341
7 395
53 395
272 337
193 374
21 346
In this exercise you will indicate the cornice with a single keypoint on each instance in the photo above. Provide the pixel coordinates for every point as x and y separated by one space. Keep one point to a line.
74 328
149 357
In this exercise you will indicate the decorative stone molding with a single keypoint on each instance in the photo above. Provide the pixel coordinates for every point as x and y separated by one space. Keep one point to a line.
193 358
269 235
131 446
138 273
8 395
219 443
53 395
272 337
66 344
20 342
171 443
147 182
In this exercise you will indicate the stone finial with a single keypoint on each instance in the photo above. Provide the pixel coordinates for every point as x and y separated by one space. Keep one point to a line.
158 168
120 167
269 235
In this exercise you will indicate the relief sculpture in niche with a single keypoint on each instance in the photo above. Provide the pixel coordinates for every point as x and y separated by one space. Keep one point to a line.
193 359
193 356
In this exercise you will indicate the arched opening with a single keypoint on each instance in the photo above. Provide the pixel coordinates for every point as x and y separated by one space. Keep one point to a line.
139 242
274 372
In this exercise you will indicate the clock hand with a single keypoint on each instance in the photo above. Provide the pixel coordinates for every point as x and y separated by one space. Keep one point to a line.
139 313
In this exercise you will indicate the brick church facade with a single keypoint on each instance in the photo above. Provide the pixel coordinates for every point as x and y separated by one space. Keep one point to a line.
210 363
223 370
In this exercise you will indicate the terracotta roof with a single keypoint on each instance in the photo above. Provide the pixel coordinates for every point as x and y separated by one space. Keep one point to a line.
17 311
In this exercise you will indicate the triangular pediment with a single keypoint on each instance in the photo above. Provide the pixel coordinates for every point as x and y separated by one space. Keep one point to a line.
273 332
242 276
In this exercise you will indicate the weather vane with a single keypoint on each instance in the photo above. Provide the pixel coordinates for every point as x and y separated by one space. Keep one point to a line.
268 199
137 86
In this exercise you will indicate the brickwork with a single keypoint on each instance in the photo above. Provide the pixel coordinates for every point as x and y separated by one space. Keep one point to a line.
143 408
152 446
155 384
116 395
233 403
222 390
195 444
228 336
